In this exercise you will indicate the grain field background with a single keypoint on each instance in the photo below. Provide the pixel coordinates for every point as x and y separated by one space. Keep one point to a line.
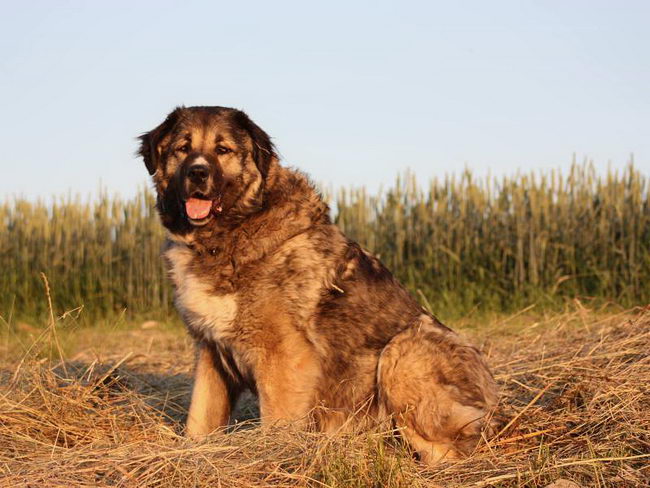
461 244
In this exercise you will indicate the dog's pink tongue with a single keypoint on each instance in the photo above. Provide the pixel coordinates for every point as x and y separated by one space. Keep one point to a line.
198 209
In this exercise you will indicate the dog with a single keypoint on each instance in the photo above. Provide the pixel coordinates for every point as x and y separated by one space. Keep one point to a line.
280 302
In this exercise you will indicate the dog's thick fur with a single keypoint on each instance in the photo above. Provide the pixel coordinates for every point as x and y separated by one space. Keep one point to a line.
281 302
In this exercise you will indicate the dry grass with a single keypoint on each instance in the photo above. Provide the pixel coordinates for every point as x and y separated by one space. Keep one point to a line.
575 405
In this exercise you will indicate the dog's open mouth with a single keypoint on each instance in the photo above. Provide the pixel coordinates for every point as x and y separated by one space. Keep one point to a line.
200 209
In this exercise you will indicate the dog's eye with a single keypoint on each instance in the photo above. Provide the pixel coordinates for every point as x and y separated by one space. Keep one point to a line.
185 148
223 150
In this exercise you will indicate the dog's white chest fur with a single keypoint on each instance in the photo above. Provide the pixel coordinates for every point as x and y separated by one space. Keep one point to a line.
205 312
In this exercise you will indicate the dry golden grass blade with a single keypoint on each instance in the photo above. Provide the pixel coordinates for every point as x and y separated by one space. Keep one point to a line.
523 410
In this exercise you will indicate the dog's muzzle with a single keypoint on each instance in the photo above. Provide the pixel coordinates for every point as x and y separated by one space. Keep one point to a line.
200 182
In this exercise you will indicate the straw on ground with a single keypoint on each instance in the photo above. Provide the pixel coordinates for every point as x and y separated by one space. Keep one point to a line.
575 405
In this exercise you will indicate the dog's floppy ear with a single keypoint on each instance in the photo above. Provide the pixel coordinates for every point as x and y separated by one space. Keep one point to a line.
263 148
150 142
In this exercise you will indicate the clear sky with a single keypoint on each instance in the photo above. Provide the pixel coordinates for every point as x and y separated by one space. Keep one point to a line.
352 92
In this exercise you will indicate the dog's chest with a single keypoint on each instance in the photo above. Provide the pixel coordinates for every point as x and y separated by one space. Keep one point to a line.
207 313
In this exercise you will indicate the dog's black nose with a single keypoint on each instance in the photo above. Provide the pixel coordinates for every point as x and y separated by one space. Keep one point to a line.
198 174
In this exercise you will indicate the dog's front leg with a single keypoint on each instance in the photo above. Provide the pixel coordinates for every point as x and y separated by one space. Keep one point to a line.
287 387
211 397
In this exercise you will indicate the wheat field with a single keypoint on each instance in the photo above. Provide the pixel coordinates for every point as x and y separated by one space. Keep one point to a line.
461 244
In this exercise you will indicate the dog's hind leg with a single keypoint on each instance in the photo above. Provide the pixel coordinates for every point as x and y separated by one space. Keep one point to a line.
437 389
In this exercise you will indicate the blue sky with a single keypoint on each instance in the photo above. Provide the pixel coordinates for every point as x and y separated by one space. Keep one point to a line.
352 92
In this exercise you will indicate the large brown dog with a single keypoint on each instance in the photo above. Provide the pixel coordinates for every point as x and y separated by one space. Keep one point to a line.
281 302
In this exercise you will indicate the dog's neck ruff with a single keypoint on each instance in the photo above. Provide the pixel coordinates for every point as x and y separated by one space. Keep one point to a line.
299 210
200 251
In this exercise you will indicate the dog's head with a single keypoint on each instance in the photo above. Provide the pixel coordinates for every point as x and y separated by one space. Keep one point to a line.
209 164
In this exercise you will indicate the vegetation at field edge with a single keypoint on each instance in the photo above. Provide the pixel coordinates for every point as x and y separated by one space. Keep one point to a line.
461 243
